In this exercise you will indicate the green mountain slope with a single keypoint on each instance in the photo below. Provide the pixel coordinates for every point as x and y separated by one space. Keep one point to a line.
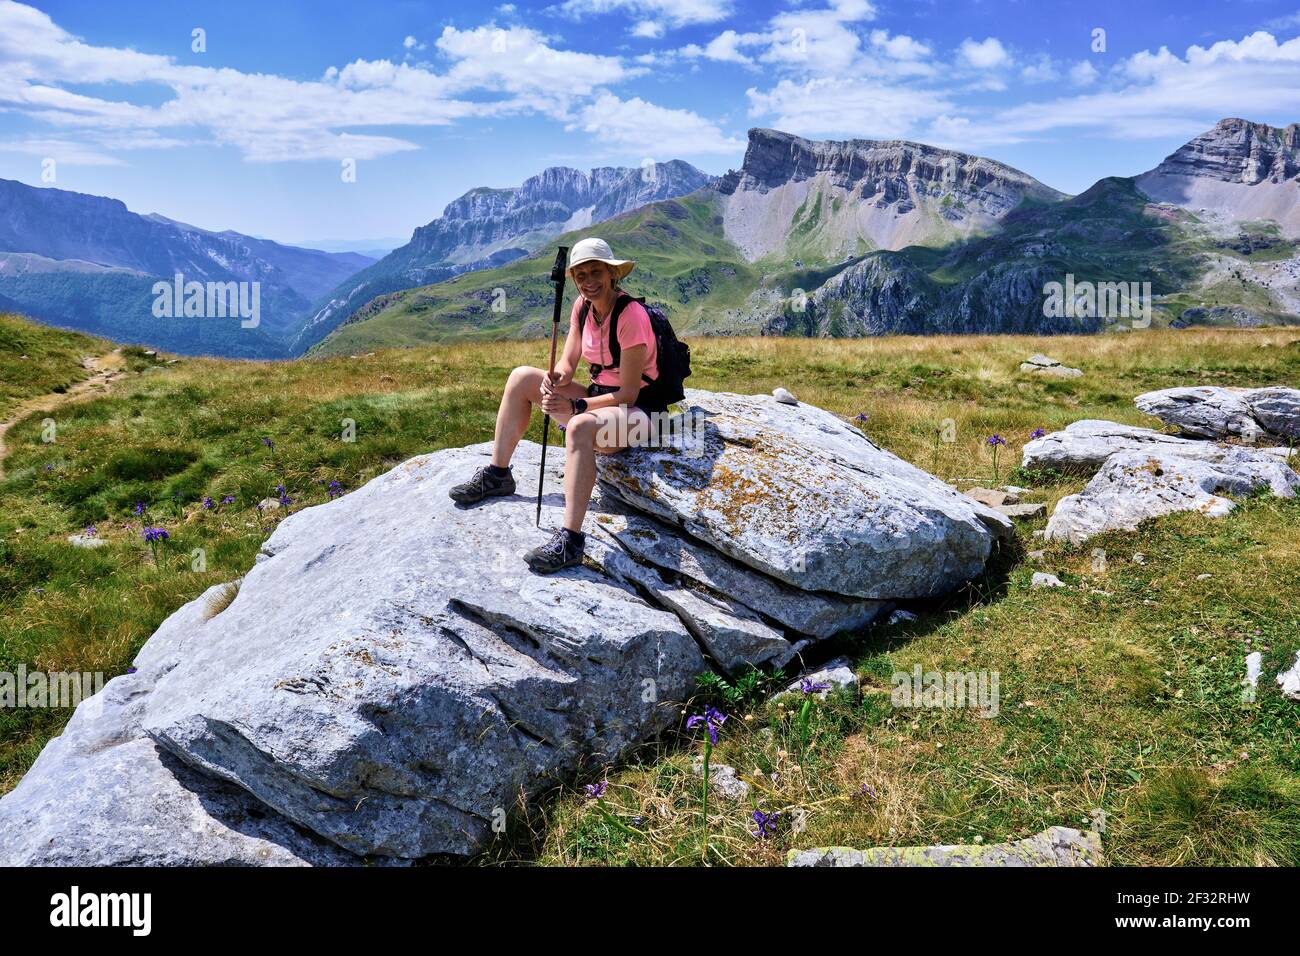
991 283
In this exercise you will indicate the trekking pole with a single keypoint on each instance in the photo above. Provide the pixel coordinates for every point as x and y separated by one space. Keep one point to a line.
557 276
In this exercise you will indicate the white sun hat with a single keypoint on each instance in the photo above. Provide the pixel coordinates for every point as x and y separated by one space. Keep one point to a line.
598 250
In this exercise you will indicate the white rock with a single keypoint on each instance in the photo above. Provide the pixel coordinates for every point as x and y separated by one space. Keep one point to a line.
1055 846
838 674
1134 486
1042 579
722 779
1085 445
86 541
783 396
1211 411
1289 680
800 495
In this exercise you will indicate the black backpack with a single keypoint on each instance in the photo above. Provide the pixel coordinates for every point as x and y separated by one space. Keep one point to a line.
673 356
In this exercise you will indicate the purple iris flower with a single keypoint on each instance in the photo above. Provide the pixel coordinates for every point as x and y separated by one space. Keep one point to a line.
139 507
91 531
268 443
809 687
596 790
766 824
228 500
1038 433
997 440
156 534
207 503
712 718
334 490
861 418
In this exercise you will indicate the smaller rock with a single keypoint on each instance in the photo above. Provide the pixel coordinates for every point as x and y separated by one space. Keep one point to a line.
86 541
1204 577
783 396
1289 680
150 353
901 617
1036 555
722 779
838 674
991 497
1139 558
1254 662
1023 511
1042 365
1041 579
1055 846
269 504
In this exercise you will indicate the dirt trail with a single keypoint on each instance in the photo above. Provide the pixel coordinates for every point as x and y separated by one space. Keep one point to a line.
105 370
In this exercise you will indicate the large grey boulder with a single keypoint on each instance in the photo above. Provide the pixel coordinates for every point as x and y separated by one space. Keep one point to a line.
392 676
1084 446
1043 365
104 794
389 677
799 494
1210 411
1055 846
1134 486
811 613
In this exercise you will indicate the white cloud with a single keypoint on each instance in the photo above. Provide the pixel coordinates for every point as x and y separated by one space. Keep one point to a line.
677 12
1163 95
1083 73
649 29
61 151
983 55
827 106
654 131
724 47
1042 70
899 47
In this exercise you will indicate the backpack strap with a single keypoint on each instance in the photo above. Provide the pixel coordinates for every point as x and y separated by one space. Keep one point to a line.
616 350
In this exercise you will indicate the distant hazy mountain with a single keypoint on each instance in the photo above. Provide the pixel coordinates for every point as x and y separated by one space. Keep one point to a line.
867 238
55 237
489 227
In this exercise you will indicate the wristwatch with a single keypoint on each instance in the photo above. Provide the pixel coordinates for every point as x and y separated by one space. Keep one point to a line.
579 405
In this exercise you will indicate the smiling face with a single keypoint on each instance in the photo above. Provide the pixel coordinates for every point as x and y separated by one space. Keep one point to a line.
595 280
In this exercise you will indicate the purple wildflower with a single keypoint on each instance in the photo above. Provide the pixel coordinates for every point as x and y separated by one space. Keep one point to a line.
139 507
130 670
712 719
766 824
207 503
155 534
997 440
596 790
228 500
808 686
1038 433
867 791
861 418
335 489
91 531
268 443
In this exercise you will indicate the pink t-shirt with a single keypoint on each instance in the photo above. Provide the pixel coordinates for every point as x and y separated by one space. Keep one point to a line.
633 329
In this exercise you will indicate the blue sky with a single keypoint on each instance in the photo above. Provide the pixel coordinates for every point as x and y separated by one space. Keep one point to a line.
431 99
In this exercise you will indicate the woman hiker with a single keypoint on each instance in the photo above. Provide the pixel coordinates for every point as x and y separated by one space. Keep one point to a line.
596 418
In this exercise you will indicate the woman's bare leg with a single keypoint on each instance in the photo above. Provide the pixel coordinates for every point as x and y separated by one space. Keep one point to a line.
523 390
606 431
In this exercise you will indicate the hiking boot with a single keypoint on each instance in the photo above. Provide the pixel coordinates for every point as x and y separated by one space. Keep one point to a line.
484 484
564 550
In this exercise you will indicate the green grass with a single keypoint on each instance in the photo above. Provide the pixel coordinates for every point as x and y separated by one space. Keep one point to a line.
1126 701
35 360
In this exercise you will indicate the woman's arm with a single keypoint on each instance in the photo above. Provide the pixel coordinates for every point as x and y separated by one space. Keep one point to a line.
630 367
567 364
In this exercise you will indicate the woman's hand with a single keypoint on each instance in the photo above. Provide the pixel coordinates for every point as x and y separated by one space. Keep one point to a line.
560 377
552 401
